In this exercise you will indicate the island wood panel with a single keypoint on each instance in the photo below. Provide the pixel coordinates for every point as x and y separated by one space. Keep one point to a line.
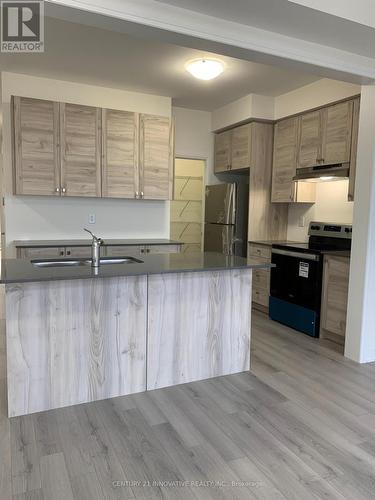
241 147
120 175
36 138
80 129
354 148
337 123
76 341
335 295
267 220
156 158
198 326
310 142
223 143
284 160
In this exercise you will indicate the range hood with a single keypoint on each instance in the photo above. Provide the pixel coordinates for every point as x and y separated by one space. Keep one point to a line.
323 173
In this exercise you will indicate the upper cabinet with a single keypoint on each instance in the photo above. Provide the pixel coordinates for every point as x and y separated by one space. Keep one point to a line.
327 136
120 154
285 146
80 150
223 142
156 157
241 147
353 152
36 153
233 149
337 124
310 144
284 159
65 149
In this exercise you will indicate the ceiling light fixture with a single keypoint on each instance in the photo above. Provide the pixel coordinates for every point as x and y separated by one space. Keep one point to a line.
205 69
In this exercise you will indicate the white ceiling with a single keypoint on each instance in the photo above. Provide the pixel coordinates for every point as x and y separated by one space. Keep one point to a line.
100 57
291 19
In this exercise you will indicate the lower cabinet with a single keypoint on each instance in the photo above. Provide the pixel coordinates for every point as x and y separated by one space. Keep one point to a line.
261 277
334 298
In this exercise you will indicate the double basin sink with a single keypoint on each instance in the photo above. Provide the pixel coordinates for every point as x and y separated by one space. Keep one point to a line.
84 262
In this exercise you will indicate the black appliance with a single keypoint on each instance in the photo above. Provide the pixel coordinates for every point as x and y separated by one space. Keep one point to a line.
296 281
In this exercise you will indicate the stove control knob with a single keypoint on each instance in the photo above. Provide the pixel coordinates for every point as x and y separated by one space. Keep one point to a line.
348 230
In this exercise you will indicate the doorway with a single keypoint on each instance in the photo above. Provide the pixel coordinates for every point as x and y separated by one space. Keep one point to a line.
187 206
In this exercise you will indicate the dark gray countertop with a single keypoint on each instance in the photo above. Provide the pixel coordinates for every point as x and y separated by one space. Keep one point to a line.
23 271
87 242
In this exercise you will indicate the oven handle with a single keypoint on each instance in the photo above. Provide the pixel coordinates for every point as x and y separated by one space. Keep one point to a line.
302 256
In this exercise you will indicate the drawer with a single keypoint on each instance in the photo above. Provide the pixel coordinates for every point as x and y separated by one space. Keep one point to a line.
261 279
122 251
262 251
79 252
261 296
41 253
162 248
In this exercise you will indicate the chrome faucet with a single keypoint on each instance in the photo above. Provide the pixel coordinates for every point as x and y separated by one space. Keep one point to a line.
95 248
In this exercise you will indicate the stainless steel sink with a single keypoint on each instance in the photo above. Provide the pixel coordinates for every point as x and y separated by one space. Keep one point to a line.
84 262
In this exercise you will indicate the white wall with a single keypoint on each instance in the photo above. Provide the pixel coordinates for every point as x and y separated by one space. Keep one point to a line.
194 139
249 106
331 205
360 337
44 217
313 95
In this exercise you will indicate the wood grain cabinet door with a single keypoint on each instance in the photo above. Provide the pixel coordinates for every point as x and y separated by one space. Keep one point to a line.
223 151
284 160
36 158
310 140
337 124
80 150
156 157
241 148
354 149
335 294
120 174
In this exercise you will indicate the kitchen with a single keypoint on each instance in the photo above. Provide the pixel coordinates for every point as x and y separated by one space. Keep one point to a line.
262 143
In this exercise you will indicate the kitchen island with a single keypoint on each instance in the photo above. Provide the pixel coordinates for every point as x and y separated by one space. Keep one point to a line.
76 334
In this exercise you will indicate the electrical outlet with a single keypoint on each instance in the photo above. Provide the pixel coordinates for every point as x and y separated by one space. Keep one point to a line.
92 218
301 221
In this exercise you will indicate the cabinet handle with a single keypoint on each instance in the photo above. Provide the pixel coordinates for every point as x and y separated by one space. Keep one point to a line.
63 190
148 250
61 252
142 194
57 190
68 252
137 194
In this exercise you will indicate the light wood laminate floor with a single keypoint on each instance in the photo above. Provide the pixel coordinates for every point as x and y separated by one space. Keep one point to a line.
300 426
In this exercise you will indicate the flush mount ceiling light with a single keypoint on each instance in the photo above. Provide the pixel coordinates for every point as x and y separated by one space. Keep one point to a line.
205 68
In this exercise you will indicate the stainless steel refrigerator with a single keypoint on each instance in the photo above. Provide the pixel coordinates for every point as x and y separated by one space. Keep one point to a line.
226 216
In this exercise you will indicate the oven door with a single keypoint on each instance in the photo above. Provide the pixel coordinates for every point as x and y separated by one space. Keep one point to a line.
296 284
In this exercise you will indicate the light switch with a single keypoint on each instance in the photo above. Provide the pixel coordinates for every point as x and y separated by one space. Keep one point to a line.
92 218
301 221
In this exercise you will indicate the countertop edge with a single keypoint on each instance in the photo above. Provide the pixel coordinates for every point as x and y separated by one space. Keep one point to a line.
136 272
